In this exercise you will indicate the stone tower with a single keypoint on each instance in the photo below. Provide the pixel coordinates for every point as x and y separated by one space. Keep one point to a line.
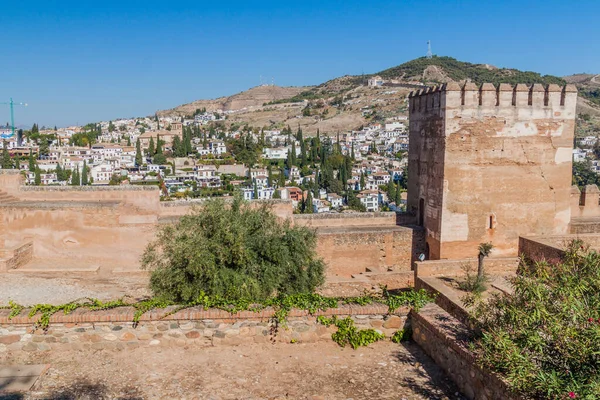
490 164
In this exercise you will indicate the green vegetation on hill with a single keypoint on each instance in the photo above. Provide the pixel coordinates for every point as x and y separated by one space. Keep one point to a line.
592 95
460 70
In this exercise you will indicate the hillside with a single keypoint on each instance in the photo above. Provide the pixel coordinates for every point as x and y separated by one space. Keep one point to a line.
346 103
253 97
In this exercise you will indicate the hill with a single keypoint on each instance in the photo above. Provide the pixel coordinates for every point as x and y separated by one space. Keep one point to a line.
347 103
445 69
253 97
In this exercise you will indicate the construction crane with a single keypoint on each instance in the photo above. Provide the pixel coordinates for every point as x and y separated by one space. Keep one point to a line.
12 113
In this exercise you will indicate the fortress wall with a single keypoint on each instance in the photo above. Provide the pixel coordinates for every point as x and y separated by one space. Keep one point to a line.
145 199
349 219
350 251
103 234
506 169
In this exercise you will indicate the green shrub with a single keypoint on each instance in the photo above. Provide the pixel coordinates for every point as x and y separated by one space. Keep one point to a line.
545 338
235 251
402 335
347 333
472 282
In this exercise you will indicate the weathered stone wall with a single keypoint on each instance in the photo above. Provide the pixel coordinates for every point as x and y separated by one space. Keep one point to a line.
445 339
493 265
474 150
114 330
98 233
346 219
16 257
350 250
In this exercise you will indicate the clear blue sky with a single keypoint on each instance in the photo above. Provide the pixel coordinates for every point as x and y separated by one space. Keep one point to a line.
84 61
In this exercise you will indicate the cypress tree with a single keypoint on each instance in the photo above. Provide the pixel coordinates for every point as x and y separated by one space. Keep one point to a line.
398 195
308 206
255 194
151 147
59 172
75 178
391 191
281 182
84 174
38 176
362 181
158 145
294 152
187 142
138 153
270 176
353 158
31 161
17 162
128 141
6 161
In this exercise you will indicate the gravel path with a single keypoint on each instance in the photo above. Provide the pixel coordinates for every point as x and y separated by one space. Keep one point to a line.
316 371
27 290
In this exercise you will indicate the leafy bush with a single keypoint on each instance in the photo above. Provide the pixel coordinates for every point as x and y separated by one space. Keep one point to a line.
545 338
347 333
402 335
235 251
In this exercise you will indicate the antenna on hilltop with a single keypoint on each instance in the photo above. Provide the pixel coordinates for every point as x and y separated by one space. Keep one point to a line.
429 53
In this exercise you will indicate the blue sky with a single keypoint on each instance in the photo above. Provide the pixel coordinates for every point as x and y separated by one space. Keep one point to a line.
83 61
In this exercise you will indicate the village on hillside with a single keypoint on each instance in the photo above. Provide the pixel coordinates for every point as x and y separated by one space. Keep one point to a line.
201 156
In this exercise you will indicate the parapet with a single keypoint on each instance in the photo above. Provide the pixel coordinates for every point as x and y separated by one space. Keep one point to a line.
488 95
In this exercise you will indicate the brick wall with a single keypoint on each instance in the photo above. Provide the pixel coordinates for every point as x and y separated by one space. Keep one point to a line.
114 330
445 339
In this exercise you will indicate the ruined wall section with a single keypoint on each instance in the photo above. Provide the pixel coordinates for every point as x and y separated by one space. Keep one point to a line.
426 155
506 164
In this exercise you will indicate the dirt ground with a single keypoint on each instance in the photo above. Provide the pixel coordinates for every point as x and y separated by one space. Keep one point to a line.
281 371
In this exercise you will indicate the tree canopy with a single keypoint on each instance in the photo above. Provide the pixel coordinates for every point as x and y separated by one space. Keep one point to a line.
236 251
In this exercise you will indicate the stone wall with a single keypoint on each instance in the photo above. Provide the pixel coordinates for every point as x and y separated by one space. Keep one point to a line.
538 249
346 219
114 330
473 147
445 339
350 250
451 268
16 257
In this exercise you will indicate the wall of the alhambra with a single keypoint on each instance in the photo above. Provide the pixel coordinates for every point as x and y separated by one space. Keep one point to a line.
92 235
426 165
348 252
511 163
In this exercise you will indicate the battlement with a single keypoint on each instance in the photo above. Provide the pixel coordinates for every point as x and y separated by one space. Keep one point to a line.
487 95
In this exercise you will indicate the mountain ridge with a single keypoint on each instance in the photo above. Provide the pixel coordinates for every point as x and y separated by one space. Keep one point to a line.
346 103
